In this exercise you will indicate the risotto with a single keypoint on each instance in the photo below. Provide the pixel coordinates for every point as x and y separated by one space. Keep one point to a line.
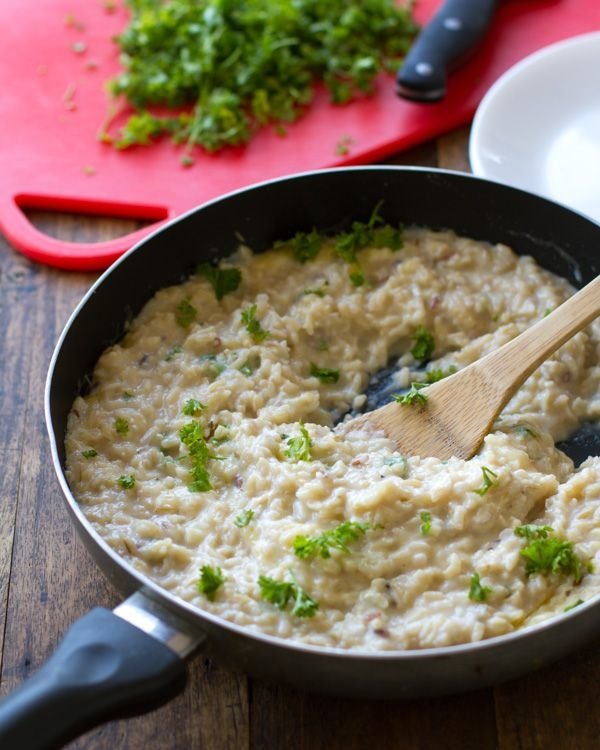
211 450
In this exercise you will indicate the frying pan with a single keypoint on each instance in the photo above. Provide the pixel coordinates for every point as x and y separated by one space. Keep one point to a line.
114 664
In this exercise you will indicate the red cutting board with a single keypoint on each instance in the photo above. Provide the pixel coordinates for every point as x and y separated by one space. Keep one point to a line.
52 104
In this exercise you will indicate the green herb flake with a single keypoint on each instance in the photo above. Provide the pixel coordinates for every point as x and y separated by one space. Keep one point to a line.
253 326
399 464
324 374
423 345
338 538
222 280
89 453
212 365
192 407
251 365
524 431
437 373
127 395
317 291
477 592
547 554
342 147
186 313
489 479
126 481
172 352
244 518
279 593
305 246
412 396
572 606
121 426
211 579
192 436
299 447
357 276
425 517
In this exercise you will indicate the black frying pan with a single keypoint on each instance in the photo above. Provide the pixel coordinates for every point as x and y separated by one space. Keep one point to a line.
117 663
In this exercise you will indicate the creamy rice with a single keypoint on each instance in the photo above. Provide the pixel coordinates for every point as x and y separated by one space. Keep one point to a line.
404 582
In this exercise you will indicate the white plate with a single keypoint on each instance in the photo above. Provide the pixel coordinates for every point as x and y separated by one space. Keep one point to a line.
538 126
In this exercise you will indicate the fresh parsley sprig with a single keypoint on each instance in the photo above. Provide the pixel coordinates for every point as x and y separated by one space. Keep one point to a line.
280 593
423 345
546 553
299 447
324 374
489 480
192 436
477 592
211 579
322 544
222 280
412 396
186 313
253 325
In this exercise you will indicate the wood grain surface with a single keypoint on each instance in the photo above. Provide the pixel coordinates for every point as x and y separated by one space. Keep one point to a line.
47 579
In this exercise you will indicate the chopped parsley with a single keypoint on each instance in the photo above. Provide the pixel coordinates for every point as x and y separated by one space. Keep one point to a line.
324 374
318 291
223 280
547 554
477 592
212 364
192 436
524 431
305 245
211 579
241 66
279 593
89 453
357 276
423 345
412 396
399 463
127 395
572 606
253 326
437 373
173 352
192 407
489 479
299 447
251 365
338 538
121 426
186 313
425 517
244 518
126 481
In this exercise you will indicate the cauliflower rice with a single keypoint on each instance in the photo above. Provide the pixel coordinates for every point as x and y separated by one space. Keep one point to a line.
427 534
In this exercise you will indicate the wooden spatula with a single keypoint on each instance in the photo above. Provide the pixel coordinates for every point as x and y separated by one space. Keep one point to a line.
460 410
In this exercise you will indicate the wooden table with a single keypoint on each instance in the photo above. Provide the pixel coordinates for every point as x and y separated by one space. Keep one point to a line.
47 579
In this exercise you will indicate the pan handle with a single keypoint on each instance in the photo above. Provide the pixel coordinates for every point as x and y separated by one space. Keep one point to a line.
105 668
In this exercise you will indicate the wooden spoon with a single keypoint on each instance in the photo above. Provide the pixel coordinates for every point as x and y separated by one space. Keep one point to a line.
461 409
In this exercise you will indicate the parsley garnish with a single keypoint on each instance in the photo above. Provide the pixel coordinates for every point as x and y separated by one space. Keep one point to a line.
425 517
279 593
299 447
172 352
121 426
250 365
192 407
324 374
89 453
338 538
572 606
127 481
186 313
127 395
192 436
477 592
524 431
423 345
357 277
223 280
437 373
412 396
253 325
213 365
244 518
210 580
318 291
489 478
547 554
305 245
243 65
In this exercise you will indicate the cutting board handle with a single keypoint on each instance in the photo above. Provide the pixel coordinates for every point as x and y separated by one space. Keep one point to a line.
72 256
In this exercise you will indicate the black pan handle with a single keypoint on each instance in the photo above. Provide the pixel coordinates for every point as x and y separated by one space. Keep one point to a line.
105 668
442 44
